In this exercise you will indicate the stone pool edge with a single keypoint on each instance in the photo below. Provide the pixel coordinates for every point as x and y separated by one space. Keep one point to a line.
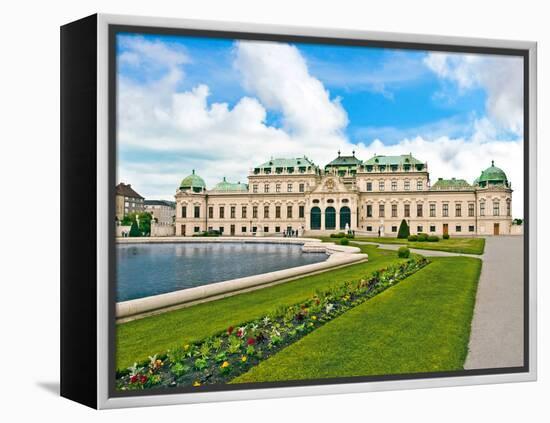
339 256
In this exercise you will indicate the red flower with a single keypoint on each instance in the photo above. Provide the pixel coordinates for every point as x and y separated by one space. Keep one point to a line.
251 341
143 379
230 330
239 333
133 379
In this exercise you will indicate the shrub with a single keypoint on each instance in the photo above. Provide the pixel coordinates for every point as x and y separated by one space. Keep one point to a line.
350 236
134 230
344 241
446 236
403 252
403 230
338 235
412 238
422 237
433 238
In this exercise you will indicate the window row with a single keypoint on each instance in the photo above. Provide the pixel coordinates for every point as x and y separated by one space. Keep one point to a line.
244 212
279 187
431 228
432 210
393 186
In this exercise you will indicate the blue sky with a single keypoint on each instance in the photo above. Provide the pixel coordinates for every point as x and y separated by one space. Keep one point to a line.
219 106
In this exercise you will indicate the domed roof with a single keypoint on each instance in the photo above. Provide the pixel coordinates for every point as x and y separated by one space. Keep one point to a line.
492 175
230 186
193 181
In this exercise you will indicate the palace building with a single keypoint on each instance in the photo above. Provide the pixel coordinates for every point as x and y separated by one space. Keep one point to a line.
369 197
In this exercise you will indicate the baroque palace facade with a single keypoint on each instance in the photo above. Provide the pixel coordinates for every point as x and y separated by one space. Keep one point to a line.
372 197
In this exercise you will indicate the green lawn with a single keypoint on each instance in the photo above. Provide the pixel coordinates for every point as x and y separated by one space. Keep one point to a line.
138 339
420 325
453 245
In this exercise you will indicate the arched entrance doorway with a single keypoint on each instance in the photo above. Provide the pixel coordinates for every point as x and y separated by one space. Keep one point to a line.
330 218
315 218
345 217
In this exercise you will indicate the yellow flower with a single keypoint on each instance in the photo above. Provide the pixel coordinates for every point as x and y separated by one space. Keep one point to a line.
186 347
196 383
158 363
244 358
314 317
225 364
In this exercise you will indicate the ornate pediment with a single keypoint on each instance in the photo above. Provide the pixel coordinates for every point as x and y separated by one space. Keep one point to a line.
330 184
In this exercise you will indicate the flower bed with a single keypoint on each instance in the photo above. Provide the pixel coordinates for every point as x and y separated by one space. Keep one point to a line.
220 358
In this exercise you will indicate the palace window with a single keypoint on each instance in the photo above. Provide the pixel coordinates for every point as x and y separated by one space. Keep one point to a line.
496 208
255 188
243 212
419 185
266 229
458 210
369 228
301 187
289 188
381 210
432 209
394 228
407 185
266 187
407 210
211 212
394 210
301 212
419 229
482 208
471 228
369 210
419 208
445 210
277 187
394 185
369 186
458 228
197 212
184 211
254 212
277 229
471 209
508 207
243 229
266 212
432 228
277 212
196 229
232 212
381 186
222 212
289 212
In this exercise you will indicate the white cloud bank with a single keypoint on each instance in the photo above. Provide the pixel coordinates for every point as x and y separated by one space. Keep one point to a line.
218 140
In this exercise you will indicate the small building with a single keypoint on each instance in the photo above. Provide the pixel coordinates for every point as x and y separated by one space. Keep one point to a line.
127 201
163 211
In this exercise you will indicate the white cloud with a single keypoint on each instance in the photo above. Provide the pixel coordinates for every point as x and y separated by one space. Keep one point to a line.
500 76
189 131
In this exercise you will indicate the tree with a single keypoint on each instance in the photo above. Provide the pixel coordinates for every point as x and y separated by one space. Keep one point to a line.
403 230
134 230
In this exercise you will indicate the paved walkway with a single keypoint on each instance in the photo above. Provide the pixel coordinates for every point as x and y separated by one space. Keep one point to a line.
496 339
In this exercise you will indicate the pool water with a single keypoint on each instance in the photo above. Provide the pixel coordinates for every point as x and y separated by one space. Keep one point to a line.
151 269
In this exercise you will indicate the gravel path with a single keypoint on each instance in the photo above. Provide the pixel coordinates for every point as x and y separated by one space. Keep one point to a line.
496 339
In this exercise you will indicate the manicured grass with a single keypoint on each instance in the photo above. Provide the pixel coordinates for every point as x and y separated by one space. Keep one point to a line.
453 245
138 339
420 325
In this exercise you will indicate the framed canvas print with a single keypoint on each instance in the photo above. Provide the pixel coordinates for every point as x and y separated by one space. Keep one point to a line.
254 211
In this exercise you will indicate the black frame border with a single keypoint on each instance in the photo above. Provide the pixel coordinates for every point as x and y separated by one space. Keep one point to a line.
114 29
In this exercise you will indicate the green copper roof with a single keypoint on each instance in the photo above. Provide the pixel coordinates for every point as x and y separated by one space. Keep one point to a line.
492 175
225 186
192 181
450 184
297 162
344 161
403 159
